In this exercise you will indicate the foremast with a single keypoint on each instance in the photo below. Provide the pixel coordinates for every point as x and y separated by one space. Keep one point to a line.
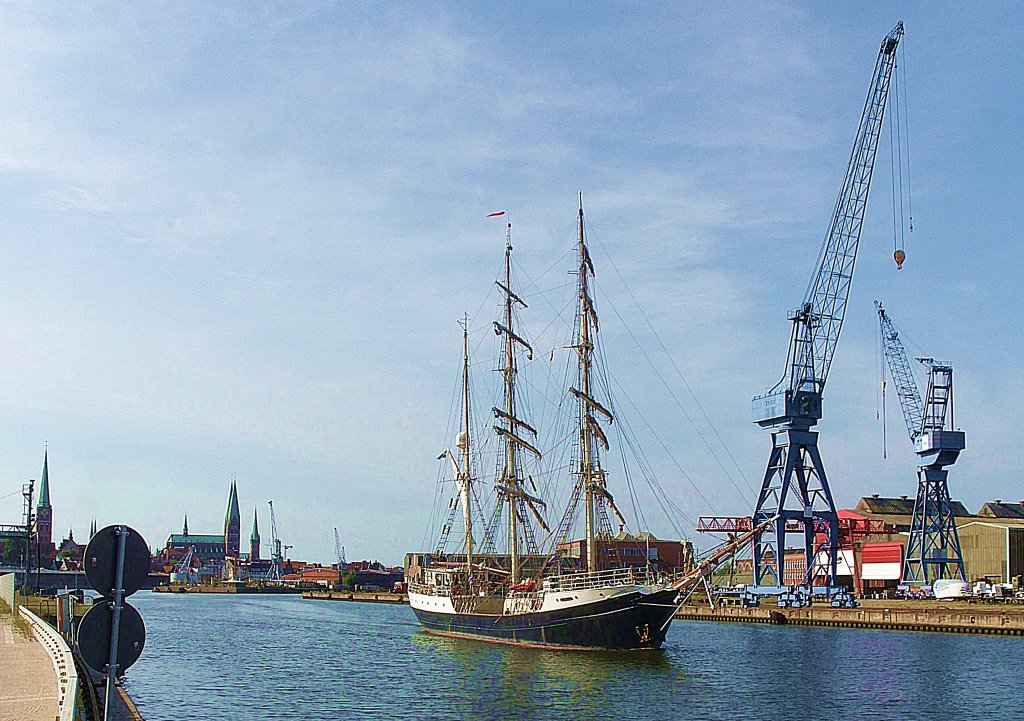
592 477
463 471
509 427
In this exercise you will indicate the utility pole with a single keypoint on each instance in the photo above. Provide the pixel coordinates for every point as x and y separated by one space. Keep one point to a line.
27 492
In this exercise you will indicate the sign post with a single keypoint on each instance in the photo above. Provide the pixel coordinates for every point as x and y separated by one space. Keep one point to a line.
115 623
111 635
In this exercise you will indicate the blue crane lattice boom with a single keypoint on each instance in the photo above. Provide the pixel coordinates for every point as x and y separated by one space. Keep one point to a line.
902 375
795 487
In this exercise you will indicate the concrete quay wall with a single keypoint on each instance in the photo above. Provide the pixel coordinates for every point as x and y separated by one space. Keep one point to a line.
364 597
1003 621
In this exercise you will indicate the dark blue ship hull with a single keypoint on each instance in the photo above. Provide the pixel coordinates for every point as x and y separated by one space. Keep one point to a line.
630 621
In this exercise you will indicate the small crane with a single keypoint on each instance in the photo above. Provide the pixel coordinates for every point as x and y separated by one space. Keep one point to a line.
339 551
184 566
276 557
795 491
933 550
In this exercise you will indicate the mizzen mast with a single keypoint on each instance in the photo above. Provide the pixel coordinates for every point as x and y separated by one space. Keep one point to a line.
591 475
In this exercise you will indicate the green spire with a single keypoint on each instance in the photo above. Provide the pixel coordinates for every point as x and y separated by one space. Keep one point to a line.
232 513
184 529
254 537
44 486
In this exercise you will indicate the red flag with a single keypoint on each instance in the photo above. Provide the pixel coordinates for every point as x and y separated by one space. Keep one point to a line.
495 215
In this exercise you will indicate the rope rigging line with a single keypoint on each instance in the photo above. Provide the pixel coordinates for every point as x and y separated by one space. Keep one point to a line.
906 126
679 373
750 488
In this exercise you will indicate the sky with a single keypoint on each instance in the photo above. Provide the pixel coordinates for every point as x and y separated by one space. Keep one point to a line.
235 239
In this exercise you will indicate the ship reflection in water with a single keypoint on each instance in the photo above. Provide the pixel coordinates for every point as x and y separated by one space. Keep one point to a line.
532 681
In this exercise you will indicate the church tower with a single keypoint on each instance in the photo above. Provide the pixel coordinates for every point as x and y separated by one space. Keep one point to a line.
232 525
44 519
254 539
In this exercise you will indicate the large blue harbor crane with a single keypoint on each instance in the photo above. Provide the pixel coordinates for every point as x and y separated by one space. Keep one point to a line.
933 550
795 490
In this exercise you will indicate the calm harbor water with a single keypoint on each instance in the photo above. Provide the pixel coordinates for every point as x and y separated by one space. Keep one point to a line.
280 657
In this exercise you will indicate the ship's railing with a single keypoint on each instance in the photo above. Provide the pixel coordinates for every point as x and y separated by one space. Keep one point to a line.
425 590
594 579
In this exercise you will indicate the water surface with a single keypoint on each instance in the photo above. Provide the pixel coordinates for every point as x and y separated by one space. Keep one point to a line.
279 657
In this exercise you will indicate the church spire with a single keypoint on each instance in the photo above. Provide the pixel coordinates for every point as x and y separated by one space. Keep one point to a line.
232 524
232 512
254 539
184 529
44 485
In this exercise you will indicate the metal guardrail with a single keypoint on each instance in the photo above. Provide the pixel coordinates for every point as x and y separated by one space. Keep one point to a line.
63 663
425 590
597 579
566 582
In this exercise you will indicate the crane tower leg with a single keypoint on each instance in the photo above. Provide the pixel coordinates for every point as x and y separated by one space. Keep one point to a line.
796 491
933 550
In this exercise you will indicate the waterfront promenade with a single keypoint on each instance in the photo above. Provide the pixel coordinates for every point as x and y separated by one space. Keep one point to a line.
28 683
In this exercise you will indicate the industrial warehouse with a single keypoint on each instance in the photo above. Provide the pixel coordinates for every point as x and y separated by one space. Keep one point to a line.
873 541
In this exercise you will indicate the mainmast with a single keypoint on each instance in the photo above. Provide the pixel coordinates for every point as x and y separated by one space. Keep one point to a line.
511 478
510 485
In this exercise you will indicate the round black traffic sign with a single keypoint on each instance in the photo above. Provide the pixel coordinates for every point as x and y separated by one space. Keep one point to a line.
94 636
101 561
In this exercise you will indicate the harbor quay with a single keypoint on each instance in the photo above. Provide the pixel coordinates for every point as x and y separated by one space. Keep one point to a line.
27 678
42 674
877 615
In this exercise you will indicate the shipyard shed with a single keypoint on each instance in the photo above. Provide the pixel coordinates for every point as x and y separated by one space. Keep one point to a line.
998 509
899 512
993 549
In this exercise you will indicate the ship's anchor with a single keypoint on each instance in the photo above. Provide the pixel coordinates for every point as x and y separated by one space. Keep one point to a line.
644 635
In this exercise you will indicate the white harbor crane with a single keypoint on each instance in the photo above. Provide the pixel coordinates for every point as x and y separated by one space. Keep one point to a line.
339 551
276 558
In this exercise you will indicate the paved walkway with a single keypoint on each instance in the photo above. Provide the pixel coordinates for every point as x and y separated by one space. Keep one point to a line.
28 683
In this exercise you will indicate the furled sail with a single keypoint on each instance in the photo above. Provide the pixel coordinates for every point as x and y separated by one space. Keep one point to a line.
498 413
592 403
517 440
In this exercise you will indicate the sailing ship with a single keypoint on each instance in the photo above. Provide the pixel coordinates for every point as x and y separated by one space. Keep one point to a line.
528 598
